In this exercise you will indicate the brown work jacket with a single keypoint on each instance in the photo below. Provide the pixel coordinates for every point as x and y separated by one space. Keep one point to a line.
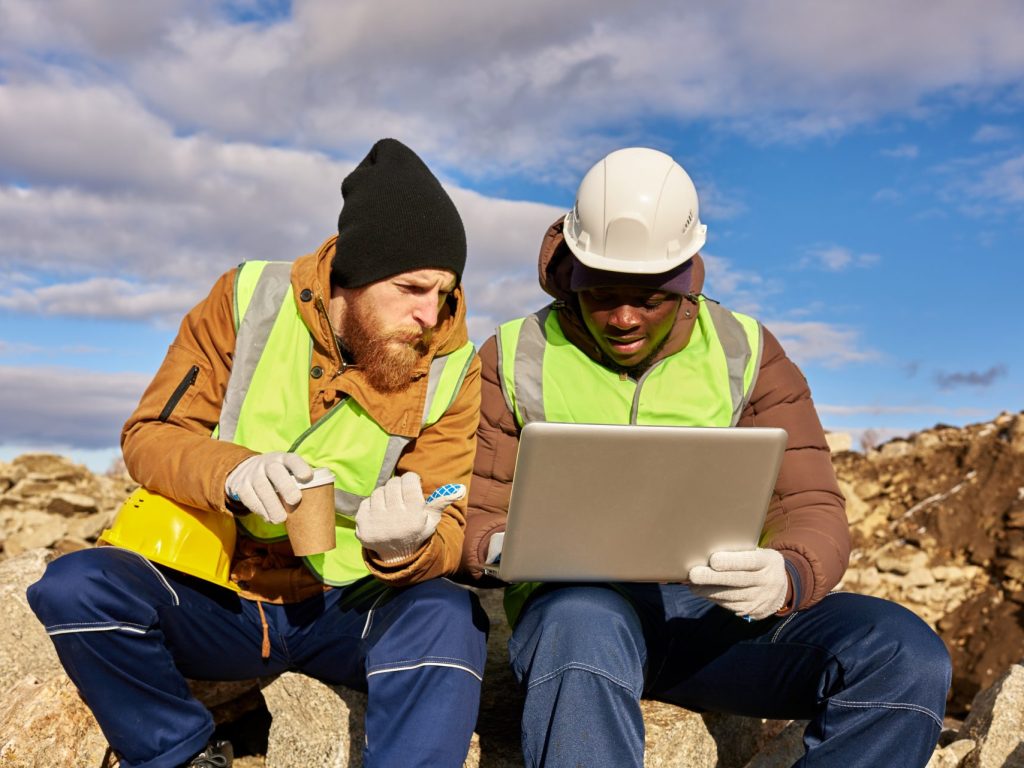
168 447
806 520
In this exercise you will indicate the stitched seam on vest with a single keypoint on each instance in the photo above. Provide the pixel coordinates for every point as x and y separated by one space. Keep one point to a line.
634 409
334 410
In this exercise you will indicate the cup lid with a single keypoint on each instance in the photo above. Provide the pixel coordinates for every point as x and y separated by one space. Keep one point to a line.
321 476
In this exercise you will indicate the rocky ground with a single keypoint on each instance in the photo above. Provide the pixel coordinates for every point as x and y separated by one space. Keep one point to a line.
937 522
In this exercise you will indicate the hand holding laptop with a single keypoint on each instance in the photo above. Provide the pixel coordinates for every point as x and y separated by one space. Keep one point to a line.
751 584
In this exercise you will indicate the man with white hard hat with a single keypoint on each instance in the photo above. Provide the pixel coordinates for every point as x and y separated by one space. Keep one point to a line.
755 632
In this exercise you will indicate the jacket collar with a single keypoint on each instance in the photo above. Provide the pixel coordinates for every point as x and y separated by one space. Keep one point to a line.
400 413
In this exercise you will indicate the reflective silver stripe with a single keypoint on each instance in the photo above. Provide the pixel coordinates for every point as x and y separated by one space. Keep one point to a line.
528 374
98 628
757 370
369 614
501 373
734 343
346 503
437 368
391 455
433 380
421 664
253 333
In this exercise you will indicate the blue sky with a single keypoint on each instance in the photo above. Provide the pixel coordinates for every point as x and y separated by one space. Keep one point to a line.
860 166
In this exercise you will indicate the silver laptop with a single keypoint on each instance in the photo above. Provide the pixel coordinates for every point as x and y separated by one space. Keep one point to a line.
599 502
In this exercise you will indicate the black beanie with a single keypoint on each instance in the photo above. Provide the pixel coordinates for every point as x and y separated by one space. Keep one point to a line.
396 218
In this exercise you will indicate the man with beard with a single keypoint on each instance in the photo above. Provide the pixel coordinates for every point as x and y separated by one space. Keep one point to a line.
356 359
631 339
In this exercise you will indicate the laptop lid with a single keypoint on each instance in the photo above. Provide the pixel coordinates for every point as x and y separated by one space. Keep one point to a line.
601 502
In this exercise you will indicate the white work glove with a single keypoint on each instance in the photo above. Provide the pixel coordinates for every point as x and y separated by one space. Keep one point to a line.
395 519
752 584
262 481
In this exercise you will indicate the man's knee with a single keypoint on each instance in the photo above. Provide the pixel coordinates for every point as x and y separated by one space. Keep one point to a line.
920 652
89 584
434 618
583 628
899 646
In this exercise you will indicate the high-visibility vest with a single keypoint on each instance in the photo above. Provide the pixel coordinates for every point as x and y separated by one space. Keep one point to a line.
266 408
545 377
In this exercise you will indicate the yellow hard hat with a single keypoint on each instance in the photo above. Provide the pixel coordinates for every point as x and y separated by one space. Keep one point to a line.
195 541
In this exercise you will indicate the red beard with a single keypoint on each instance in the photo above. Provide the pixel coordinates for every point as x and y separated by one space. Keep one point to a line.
386 357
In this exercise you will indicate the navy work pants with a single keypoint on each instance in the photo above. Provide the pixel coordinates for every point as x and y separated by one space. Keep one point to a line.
870 675
130 632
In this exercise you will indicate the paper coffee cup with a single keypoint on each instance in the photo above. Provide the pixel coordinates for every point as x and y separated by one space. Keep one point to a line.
310 523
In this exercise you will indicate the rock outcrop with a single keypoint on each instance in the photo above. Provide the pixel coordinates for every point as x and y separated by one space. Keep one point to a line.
938 526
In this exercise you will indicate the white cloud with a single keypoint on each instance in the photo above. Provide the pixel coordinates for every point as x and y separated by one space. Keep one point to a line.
1003 182
902 152
104 297
887 195
49 405
991 134
737 287
816 342
836 258
518 93
984 186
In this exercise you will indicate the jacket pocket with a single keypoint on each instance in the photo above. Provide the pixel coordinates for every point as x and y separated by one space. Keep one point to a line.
179 392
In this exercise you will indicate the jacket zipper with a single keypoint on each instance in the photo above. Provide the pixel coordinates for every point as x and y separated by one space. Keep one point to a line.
179 392
337 346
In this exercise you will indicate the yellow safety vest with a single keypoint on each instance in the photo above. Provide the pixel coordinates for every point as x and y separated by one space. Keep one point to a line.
545 377
266 408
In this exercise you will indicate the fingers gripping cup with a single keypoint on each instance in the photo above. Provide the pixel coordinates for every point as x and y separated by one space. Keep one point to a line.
310 523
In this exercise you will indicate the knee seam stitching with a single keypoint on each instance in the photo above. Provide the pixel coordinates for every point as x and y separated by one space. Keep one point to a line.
794 614
888 705
586 668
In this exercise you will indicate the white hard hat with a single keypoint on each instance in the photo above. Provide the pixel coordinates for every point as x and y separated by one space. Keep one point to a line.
636 211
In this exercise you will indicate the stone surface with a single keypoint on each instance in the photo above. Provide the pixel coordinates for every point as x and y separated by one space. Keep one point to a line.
784 750
996 724
937 522
46 723
25 648
313 724
952 755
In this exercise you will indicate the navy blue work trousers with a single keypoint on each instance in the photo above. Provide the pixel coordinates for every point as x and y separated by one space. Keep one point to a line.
869 675
130 632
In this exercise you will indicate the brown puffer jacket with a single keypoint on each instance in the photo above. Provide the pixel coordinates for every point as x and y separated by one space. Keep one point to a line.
806 520
168 449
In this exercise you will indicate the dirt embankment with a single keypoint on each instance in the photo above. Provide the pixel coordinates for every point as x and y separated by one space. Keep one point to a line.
938 524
